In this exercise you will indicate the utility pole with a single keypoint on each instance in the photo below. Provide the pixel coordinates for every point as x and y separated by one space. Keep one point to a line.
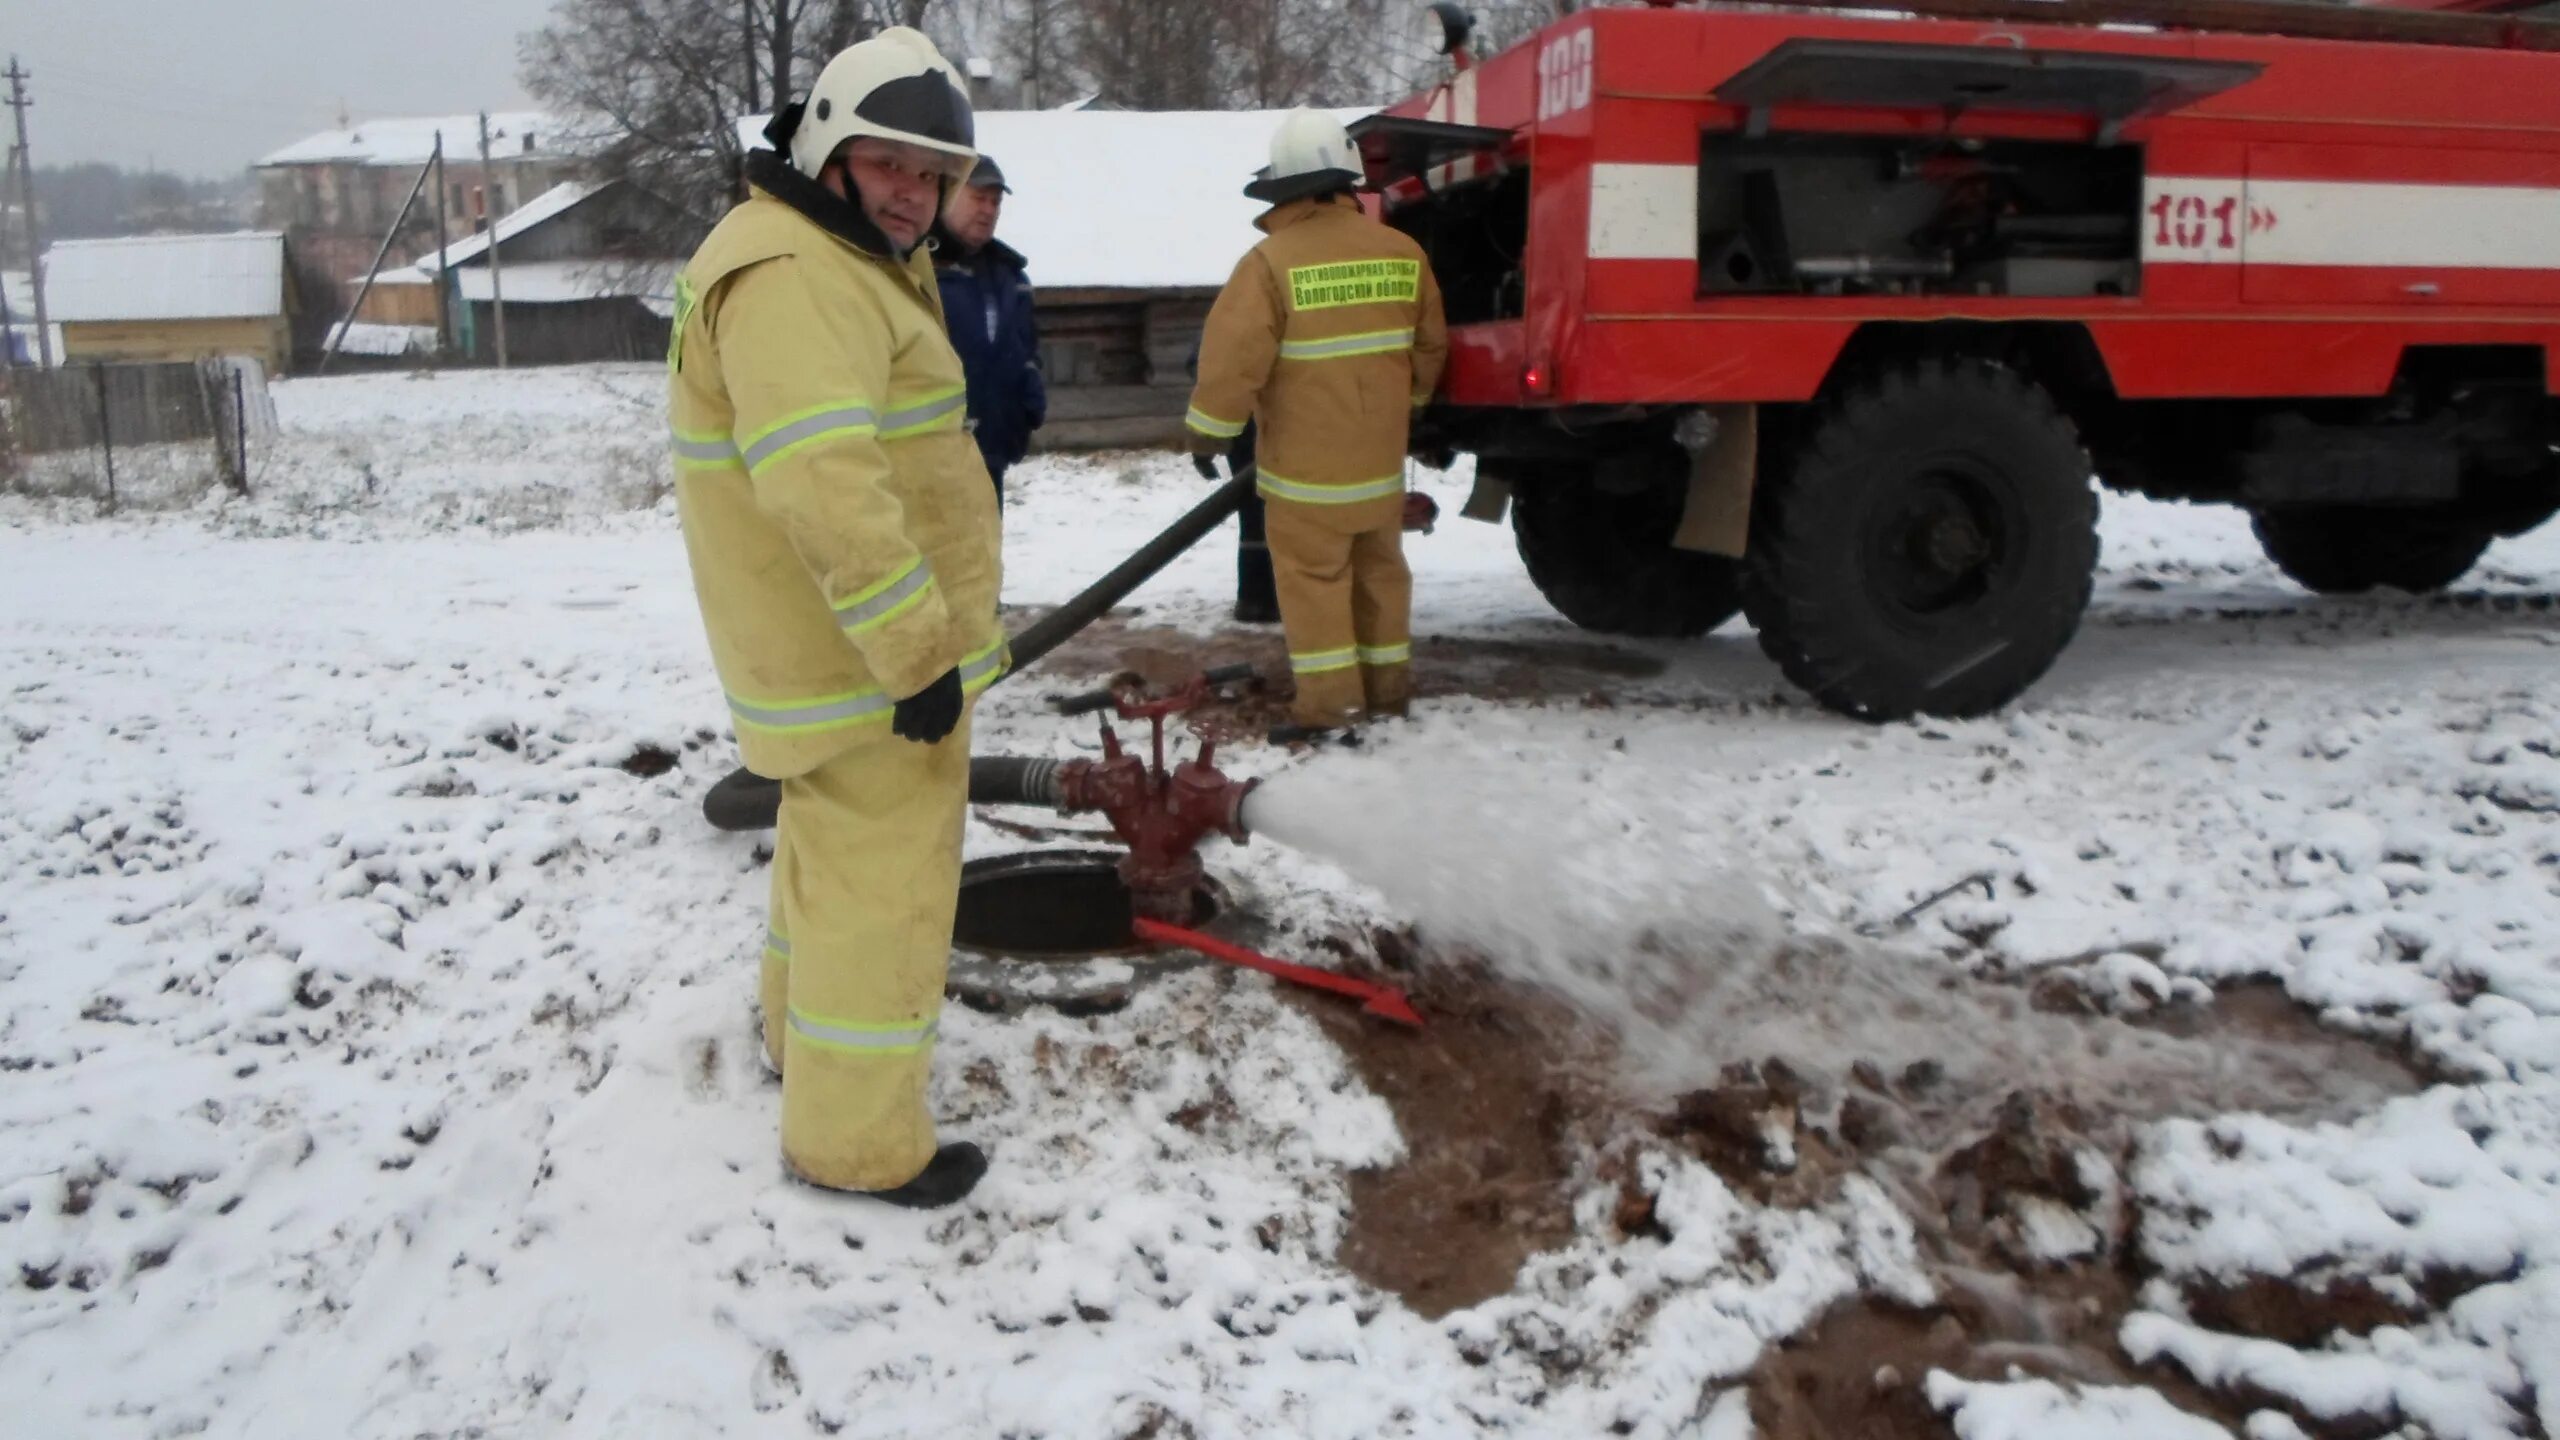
444 272
747 33
497 286
19 102
338 337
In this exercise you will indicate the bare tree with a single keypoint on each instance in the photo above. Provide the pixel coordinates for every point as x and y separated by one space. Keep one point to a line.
1296 52
1148 54
1034 47
1209 54
656 88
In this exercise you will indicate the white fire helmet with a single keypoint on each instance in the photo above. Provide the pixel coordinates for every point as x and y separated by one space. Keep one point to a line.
895 86
1310 154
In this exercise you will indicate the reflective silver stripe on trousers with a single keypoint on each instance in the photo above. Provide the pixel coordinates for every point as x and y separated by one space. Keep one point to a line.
706 452
895 421
887 600
907 1038
774 942
851 417
1282 488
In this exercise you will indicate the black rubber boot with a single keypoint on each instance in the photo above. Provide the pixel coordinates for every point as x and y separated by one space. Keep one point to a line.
953 1172
1293 733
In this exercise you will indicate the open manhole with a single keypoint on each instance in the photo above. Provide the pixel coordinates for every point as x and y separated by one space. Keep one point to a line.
1054 927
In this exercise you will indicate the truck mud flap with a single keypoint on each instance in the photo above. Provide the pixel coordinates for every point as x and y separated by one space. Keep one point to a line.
1489 500
1716 517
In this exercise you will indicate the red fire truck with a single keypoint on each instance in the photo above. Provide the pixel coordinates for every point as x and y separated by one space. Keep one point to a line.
1829 317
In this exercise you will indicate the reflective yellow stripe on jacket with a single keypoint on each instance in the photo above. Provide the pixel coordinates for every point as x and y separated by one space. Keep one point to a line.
705 450
942 411
1343 347
798 431
886 601
1208 424
853 707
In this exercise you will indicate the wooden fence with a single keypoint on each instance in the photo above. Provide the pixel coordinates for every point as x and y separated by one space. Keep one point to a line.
219 401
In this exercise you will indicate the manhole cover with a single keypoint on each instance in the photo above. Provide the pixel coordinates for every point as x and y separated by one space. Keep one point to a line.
1053 927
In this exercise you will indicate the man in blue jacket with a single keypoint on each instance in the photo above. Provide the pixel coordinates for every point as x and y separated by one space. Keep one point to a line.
986 302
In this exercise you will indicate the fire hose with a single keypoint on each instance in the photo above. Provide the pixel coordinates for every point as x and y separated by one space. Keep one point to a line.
744 800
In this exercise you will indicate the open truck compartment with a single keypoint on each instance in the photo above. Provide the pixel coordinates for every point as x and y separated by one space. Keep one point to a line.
1857 214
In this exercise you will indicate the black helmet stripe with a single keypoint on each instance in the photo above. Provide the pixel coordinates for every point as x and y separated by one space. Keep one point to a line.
928 105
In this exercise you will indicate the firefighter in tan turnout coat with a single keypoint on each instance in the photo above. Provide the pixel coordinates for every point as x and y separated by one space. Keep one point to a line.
1328 333
844 541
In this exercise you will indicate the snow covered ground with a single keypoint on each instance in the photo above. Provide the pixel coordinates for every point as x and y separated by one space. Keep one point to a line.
377 1057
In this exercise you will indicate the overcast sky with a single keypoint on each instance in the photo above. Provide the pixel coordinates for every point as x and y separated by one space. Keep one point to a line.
204 87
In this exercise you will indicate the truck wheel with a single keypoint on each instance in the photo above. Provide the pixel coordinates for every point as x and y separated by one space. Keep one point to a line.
1929 549
2348 550
743 800
1605 561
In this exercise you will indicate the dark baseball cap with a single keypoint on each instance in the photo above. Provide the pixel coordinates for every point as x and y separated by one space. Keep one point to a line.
988 173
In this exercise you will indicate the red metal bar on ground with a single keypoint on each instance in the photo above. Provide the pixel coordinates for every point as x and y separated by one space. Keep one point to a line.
1385 1001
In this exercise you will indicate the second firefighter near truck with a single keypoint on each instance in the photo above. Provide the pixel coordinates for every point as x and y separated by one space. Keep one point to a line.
844 540
1327 335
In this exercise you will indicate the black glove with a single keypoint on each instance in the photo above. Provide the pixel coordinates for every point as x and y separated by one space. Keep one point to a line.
930 713
1207 465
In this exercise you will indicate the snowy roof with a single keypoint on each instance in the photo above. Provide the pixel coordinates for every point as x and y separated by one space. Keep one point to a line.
411 140
549 205
165 277
1134 199
362 338
551 282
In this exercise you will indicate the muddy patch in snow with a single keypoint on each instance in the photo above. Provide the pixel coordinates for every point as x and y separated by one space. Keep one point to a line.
2010 1161
2013 1175
1501 1097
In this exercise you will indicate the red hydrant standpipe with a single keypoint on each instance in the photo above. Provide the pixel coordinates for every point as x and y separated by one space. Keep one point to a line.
1161 816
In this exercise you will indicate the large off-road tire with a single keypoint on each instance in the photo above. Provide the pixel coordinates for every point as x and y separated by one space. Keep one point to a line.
1606 562
2347 550
1927 546
743 800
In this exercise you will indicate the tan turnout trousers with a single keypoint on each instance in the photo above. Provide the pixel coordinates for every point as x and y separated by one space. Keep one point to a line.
866 878
1346 599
